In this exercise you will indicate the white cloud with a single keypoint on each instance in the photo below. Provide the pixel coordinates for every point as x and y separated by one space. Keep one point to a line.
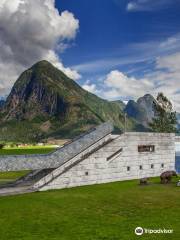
110 94
127 86
32 30
158 63
104 64
131 54
132 6
125 102
165 77
172 62
54 59
90 87
147 5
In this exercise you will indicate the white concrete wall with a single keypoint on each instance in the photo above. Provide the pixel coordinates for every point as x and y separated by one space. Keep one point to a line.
96 169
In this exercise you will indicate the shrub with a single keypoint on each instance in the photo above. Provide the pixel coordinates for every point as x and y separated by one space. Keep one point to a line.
2 145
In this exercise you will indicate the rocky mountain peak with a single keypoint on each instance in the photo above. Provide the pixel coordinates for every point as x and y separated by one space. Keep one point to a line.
44 96
40 90
142 110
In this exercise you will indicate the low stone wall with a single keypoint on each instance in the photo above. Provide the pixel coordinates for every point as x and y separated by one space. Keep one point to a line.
118 160
55 159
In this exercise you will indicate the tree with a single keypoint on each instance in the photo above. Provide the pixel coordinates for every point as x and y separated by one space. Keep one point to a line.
165 118
2 145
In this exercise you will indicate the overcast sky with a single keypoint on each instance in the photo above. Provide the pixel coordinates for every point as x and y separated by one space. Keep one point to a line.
117 49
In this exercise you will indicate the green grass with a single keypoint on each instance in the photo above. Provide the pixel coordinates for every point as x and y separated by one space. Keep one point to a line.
100 212
27 150
11 176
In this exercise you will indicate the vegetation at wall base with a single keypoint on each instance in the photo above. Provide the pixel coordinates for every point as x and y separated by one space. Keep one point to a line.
6 177
26 150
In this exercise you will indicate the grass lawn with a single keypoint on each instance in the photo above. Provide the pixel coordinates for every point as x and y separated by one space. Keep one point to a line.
100 212
11 176
27 150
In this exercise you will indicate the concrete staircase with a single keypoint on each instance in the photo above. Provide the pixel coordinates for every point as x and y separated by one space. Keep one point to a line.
70 154
73 161
59 156
24 184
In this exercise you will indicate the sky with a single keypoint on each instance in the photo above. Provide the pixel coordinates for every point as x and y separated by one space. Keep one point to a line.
116 49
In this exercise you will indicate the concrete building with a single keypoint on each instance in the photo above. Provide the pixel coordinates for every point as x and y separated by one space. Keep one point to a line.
97 157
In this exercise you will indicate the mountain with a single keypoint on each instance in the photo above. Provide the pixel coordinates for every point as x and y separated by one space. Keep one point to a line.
120 103
2 102
142 110
45 103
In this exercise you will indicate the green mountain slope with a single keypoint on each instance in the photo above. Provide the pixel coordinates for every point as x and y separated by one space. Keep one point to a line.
45 103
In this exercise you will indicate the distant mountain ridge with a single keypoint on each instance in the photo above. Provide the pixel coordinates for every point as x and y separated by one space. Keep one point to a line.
2 102
142 110
45 103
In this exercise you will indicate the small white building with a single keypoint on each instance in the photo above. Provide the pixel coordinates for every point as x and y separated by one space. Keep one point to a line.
97 157
115 158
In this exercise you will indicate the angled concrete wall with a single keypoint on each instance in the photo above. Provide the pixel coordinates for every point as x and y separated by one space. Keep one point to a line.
55 159
111 162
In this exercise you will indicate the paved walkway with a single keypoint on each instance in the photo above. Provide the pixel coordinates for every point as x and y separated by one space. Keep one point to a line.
15 191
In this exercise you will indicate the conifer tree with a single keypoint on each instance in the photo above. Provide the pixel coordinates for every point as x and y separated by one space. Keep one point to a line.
165 118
